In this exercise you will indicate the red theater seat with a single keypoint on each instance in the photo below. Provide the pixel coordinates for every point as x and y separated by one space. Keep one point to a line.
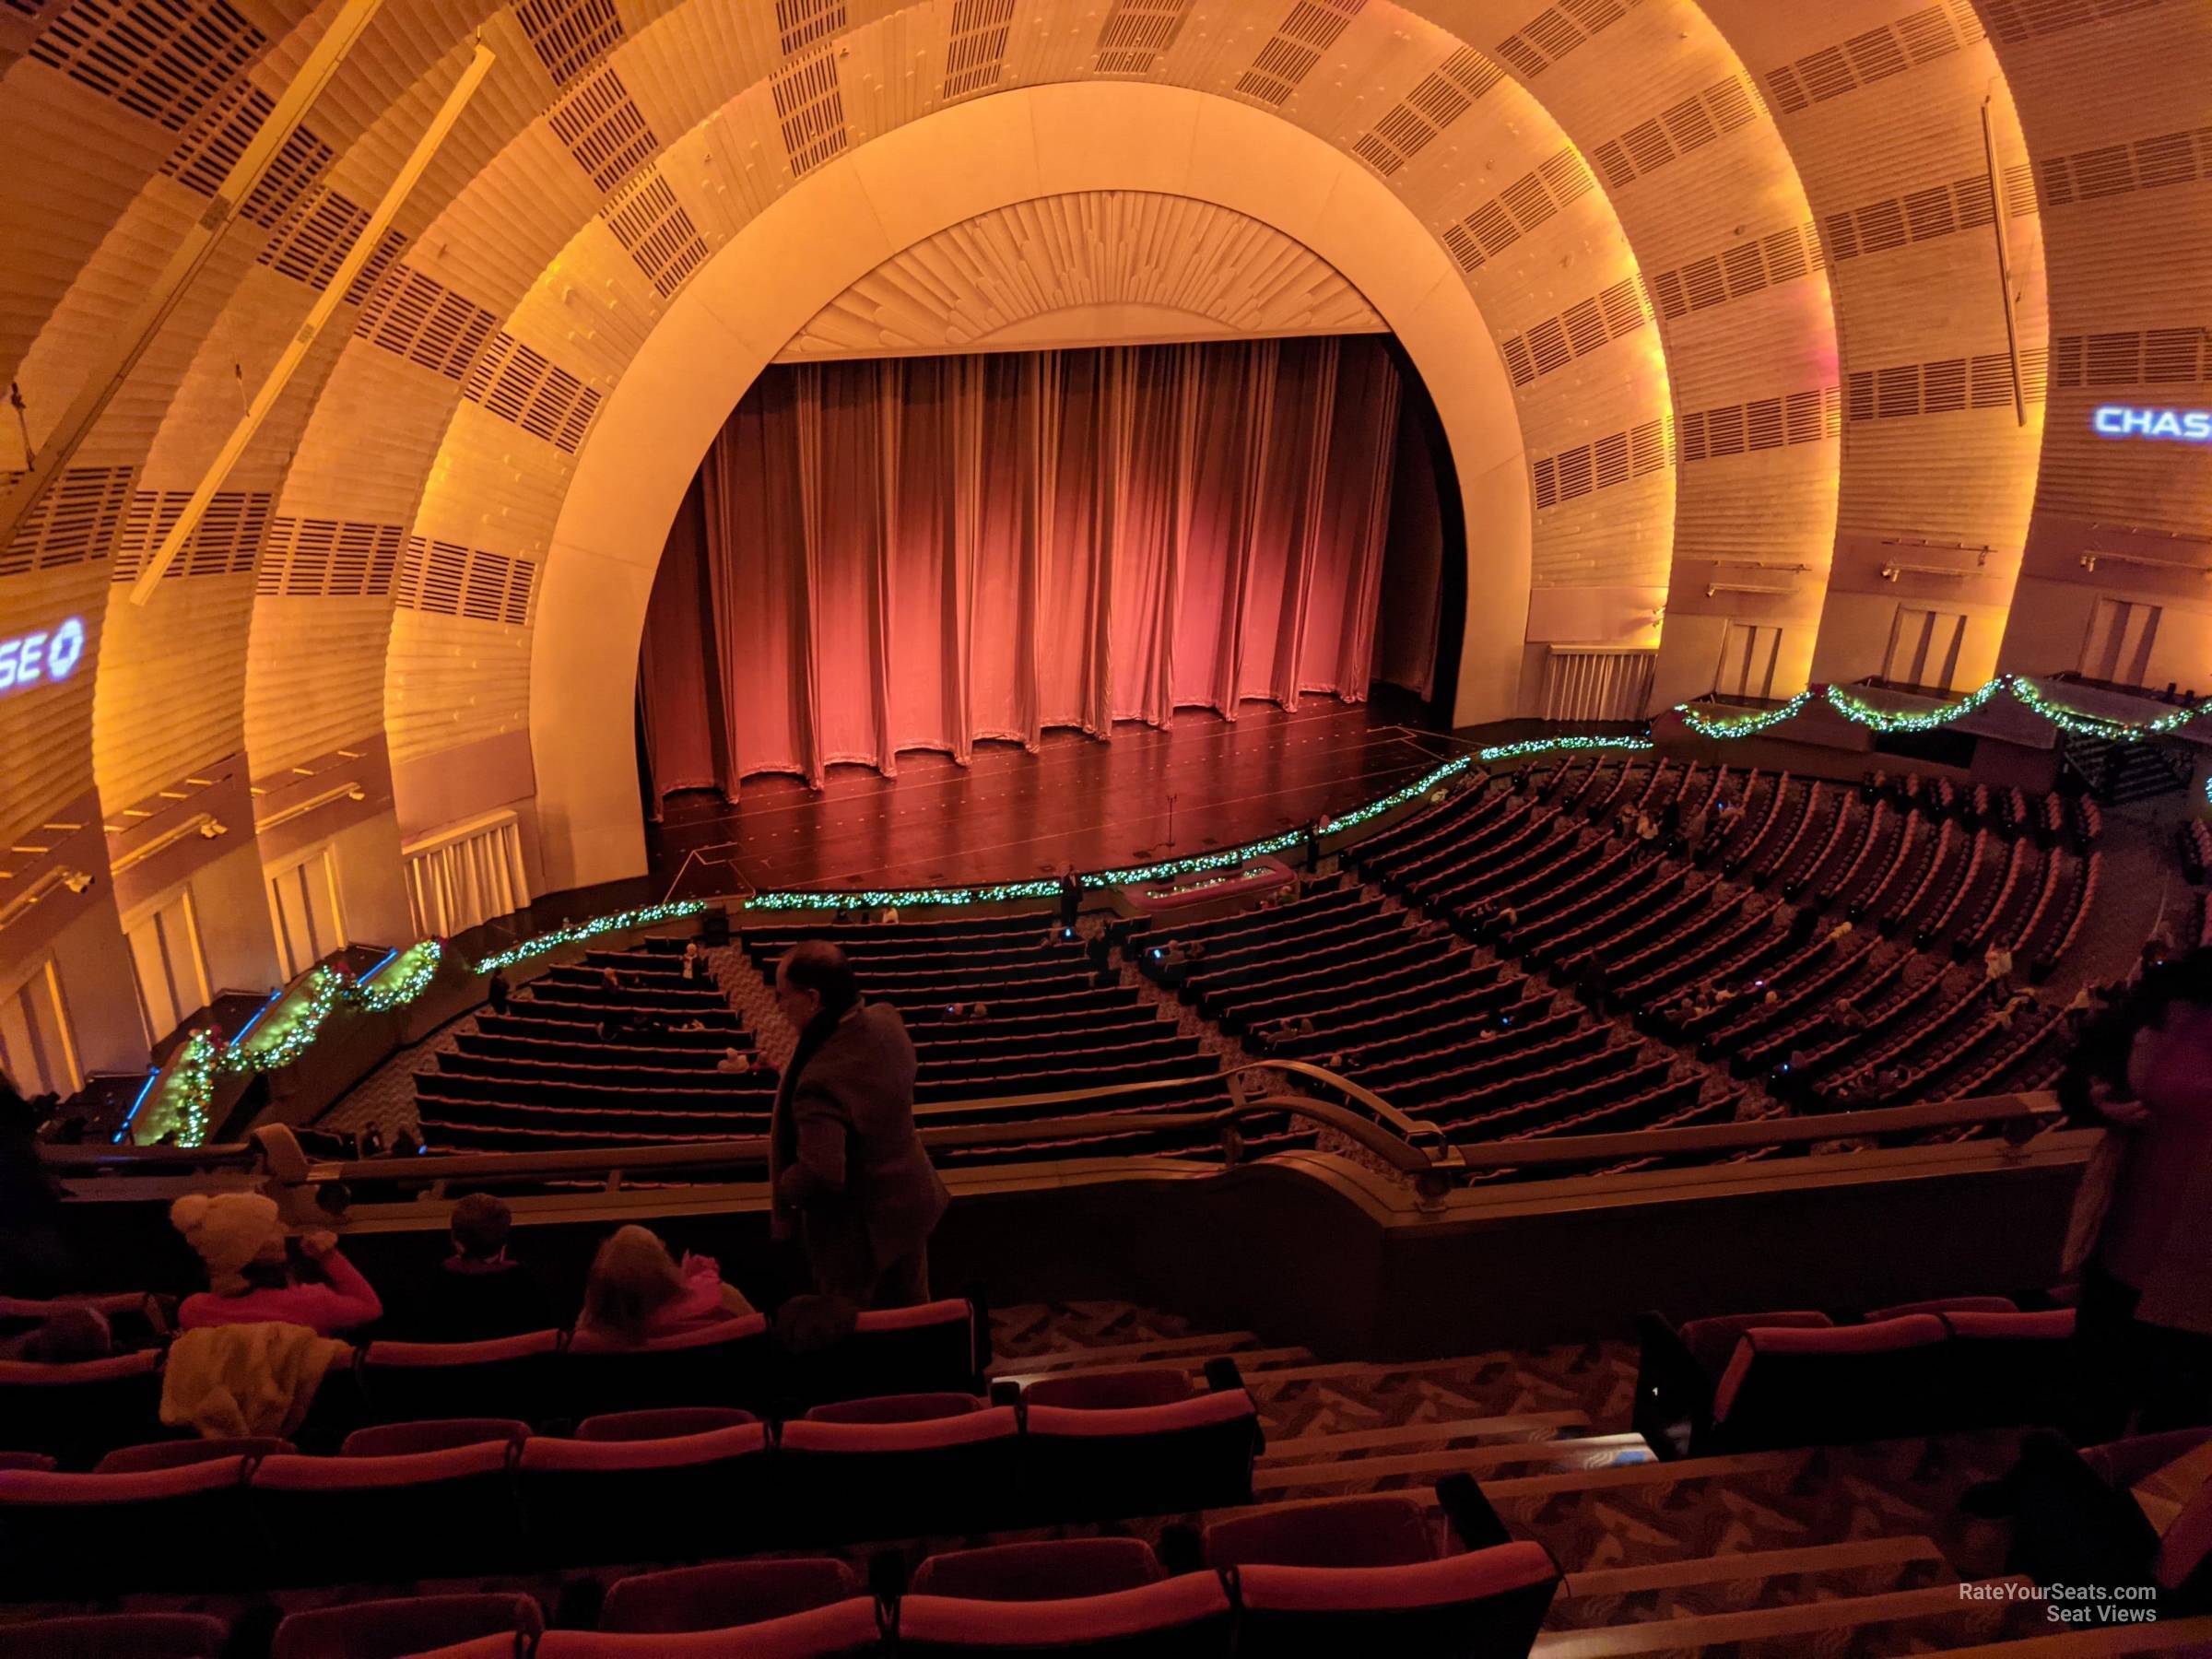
882 1480
1799 1385
389 1629
646 1499
668 1423
932 1348
171 1454
897 1409
93 1535
1185 1617
726 1364
1112 1390
1381 1529
506 1377
1487 1603
406 1515
1712 1342
845 1627
1042 1571
117 1636
433 1434
74 1413
26 1460
1195 1454
725 1592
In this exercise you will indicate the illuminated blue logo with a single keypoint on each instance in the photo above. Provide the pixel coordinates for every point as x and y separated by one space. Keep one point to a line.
49 654
2172 426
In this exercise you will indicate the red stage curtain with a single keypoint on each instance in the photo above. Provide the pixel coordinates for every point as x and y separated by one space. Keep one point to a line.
916 553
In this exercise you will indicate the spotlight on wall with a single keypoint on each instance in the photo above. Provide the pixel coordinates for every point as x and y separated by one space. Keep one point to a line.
214 827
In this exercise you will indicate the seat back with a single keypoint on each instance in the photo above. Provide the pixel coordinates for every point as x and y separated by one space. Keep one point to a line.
641 1500
842 1628
724 1593
170 1455
74 1413
406 1625
1810 1386
403 1516
1195 1454
729 1364
117 1636
1376 1529
1185 1617
432 1434
415 1382
1487 1603
882 1480
933 1349
1112 1390
80 1535
1042 1570
670 1423
895 1408
2003 1368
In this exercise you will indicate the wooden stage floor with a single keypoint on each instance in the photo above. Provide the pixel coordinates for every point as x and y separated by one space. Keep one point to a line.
1010 814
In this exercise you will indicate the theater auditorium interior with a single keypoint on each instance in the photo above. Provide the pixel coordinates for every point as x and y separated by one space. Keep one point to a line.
1079 826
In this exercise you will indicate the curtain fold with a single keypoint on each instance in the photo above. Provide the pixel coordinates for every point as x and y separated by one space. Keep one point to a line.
920 553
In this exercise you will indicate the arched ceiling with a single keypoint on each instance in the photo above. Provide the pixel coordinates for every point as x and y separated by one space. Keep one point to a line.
1740 257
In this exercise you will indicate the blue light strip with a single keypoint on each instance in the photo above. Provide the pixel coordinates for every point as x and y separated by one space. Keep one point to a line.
143 1090
275 996
372 973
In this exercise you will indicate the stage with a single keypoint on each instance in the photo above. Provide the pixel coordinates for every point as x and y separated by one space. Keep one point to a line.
1011 814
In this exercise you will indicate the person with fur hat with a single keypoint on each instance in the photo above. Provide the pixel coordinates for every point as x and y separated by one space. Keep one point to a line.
250 1280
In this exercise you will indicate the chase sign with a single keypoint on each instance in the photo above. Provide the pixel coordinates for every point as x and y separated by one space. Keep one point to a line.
42 655
2172 426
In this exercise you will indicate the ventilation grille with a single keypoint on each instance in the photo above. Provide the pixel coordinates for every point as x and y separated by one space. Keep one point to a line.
1923 215
1549 36
2120 169
1445 94
328 559
526 390
166 60
1521 206
2147 356
605 131
570 36
313 242
1764 423
657 234
1286 61
2014 21
1745 268
447 579
802 25
424 322
976 55
222 543
1905 390
1724 107
77 519
212 147
1602 462
1576 332
1135 33
1865 59
810 112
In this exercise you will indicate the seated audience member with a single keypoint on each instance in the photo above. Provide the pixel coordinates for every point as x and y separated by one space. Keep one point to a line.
611 981
1843 1015
497 994
480 1291
34 1259
68 1337
692 1024
1840 932
734 1062
1997 962
240 1239
637 1291
695 962
368 1143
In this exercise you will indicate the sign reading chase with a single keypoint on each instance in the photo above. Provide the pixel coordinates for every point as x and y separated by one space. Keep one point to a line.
2175 426
47 654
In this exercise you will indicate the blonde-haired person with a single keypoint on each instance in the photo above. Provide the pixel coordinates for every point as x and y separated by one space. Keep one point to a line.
636 1292
250 1280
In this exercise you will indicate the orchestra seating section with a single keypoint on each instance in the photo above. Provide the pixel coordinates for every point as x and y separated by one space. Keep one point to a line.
1125 1485
579 1062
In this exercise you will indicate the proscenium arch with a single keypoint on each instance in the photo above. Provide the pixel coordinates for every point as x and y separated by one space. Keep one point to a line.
840 222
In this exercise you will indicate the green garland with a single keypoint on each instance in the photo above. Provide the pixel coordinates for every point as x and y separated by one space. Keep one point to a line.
1742 725
1552 746
184 1089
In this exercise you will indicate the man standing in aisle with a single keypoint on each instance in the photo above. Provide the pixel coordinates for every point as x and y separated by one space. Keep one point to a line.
846 1167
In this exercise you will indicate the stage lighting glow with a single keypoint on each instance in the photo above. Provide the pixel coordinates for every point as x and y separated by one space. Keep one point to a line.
44 655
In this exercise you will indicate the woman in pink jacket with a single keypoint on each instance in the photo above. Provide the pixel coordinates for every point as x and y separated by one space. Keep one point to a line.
250 1278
